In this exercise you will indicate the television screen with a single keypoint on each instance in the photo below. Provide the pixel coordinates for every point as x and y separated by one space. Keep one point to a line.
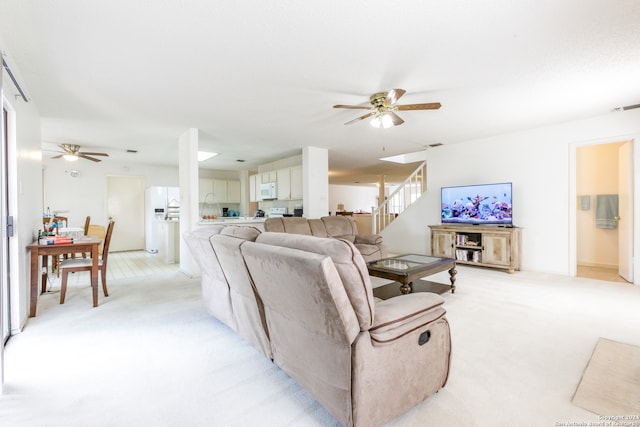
477 204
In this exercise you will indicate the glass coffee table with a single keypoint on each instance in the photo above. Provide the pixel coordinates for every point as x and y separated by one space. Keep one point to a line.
407 271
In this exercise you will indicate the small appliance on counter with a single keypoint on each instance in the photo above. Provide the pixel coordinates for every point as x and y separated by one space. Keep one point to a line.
225 211
259 214
297 212
277 212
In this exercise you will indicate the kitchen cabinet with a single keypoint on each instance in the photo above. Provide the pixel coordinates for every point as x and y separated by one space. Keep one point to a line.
205 186
220 190
283 183
225 191
233 191
254 187
288 183
270 176
296 183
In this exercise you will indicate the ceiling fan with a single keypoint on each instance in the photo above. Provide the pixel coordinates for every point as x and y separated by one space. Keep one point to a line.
72 153
383 108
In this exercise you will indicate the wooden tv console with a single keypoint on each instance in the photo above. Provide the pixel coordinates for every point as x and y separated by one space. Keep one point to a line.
485 246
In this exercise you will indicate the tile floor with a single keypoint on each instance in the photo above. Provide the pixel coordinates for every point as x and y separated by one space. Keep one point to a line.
141 263
600 273
122 265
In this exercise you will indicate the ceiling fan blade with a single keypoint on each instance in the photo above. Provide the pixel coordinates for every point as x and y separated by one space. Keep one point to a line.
393 96
353 107
369 114
93 154
395 119
84 156
58 156
428 106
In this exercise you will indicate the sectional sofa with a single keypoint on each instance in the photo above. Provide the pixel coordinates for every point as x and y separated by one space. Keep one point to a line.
371 246
306 303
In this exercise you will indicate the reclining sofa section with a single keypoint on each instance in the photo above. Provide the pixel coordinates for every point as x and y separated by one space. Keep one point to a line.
307 303
370 246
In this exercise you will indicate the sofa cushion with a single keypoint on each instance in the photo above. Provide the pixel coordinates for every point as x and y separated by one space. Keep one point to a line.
215 289
244 232
340 226
368 239
291 225
370 252
347 260
246 304
317 228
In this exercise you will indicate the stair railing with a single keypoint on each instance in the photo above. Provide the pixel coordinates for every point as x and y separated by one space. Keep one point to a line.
402 197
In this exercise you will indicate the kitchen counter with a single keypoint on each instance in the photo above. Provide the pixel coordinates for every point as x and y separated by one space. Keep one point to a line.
235 220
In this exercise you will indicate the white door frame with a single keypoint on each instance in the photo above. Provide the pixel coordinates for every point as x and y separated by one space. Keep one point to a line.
573 194
625 222
4 256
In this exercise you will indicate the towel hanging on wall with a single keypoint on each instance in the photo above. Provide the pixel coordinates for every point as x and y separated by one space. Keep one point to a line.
585 203
606 211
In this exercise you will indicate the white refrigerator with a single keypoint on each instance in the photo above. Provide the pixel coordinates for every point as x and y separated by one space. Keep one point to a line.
161 205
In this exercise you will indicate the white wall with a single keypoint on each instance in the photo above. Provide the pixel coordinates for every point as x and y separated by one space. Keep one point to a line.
539 163
25 195
354 198
87 194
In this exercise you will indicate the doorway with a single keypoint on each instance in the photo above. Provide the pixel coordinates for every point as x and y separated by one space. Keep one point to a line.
125 205
604 212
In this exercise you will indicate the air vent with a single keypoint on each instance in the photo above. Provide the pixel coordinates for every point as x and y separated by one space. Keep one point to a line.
132 151
437 144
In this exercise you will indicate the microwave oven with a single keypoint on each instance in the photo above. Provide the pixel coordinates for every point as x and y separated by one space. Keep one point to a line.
268 191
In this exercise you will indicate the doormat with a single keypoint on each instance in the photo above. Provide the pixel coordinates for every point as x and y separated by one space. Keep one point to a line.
610 384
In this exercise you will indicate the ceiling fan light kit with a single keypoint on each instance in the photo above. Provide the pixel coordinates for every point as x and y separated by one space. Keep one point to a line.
383 109
382 121
71 152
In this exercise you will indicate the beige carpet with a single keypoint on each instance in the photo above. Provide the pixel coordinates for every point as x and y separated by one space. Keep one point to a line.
150 355
611 383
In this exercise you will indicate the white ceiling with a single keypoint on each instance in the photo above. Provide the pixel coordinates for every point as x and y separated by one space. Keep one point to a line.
259 78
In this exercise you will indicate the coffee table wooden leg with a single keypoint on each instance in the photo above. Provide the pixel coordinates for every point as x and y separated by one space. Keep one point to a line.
406 288
452 277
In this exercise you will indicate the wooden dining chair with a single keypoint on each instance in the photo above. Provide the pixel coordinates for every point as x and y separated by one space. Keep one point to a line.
84 264
61 221
57 259
87 222
98 231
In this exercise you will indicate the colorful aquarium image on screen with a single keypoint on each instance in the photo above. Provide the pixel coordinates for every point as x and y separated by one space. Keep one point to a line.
477 204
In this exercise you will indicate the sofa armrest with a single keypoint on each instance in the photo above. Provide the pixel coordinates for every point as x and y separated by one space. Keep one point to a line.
369 239
401 315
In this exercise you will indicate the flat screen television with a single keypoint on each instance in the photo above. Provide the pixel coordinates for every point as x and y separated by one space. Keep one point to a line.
477 204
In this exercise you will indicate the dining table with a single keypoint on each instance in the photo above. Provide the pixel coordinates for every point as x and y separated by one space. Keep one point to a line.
42 248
